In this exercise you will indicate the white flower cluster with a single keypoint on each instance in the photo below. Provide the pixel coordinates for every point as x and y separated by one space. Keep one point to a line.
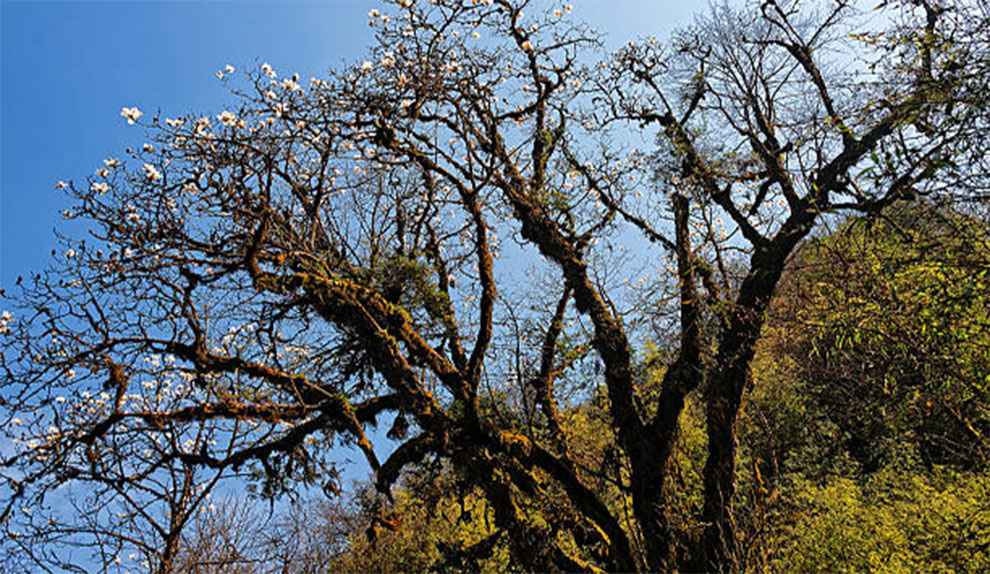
151 172
227 118
6 318
228 69
376 16
292 84
132 114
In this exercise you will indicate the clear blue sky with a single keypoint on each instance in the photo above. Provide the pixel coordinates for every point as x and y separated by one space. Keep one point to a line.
67 68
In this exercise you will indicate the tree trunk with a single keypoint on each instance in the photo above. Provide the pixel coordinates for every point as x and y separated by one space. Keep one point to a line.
723 400
723 396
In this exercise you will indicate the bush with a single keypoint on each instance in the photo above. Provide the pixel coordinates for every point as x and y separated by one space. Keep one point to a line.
894 522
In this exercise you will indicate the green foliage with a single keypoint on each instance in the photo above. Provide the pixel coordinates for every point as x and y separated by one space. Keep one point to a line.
863 438
432 525
409 283
892 316
894 522
782 428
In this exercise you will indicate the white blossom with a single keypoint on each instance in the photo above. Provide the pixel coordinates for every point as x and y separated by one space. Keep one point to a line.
151 172
227 118
132 114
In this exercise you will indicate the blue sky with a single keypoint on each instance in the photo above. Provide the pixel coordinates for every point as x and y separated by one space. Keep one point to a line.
67 68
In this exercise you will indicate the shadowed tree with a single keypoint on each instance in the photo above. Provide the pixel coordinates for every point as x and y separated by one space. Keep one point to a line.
452 235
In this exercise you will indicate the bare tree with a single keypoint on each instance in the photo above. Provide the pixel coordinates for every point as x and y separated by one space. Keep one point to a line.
335 250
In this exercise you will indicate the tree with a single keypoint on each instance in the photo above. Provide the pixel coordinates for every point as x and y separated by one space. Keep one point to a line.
329 255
